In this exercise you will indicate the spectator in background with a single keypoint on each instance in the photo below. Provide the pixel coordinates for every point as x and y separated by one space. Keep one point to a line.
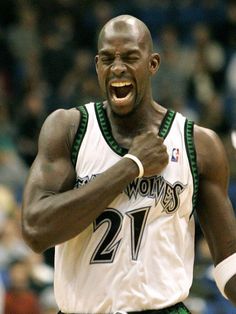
2 296
72 81
211 52
99 13
225 32
13 171
20 299
11 244
6 68
231 75
29 122
14 254
24 44
80 81
23 36
205 84
170 86
56 61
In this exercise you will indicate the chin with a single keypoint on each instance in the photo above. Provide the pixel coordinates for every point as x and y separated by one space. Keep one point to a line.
122 111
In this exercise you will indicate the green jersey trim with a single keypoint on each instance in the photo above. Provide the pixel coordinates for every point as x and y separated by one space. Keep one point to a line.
105 128
166 123
191 152
80 133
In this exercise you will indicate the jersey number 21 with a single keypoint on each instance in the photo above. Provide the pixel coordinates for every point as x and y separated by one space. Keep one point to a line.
106 250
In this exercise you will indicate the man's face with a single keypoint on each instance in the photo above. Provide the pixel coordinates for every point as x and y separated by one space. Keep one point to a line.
124 67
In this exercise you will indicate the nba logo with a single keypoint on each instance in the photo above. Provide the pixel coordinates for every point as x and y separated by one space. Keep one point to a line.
175 154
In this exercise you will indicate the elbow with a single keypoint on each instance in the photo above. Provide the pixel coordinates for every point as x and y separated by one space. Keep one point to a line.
33 239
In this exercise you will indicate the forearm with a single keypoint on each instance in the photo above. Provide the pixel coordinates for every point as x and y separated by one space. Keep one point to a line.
57 218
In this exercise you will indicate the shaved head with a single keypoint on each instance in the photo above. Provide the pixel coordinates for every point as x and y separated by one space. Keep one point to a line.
129 25
125 63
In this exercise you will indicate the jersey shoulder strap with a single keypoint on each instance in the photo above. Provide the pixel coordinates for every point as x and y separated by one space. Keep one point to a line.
80 133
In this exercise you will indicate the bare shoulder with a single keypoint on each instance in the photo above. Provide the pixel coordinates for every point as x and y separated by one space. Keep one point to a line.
52 169
211 155
58 130
61 120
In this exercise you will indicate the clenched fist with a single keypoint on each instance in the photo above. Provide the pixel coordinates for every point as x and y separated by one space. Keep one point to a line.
151 151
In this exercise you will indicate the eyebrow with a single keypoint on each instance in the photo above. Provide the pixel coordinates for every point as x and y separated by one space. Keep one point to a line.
104 52
109 52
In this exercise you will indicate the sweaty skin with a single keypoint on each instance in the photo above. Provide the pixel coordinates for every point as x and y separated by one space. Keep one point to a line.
54 212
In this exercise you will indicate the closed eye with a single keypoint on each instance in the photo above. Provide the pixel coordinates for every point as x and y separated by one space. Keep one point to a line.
131 58
107 60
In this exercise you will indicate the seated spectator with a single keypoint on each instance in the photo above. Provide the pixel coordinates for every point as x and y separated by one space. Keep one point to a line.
20 299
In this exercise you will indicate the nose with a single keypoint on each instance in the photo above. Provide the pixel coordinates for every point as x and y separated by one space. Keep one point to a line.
118 67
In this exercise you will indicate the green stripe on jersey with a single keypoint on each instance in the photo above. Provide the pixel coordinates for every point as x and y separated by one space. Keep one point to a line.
105 128
166 123
190 148
80 133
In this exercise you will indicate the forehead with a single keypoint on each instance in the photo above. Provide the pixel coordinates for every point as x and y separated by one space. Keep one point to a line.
122 37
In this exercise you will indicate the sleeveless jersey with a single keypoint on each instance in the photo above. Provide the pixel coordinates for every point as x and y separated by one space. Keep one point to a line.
138 254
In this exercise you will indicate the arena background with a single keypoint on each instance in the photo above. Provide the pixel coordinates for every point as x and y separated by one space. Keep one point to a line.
47 49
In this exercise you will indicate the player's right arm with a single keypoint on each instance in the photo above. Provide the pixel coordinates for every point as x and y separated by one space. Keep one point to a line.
53 212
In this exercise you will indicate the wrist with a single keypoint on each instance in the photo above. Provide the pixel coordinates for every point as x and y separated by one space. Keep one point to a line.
138 164
224 271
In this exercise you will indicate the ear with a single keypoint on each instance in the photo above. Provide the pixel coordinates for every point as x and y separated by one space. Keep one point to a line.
154 63
96 62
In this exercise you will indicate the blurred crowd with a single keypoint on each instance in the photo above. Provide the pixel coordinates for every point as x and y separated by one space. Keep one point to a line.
47 53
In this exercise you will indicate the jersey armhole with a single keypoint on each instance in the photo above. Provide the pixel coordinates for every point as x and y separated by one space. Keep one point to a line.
192 157
79 134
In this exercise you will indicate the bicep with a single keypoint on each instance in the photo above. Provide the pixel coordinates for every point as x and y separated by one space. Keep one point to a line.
52 171
214 209
48 178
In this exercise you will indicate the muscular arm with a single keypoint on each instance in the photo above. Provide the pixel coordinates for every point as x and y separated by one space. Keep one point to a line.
53 212
214 209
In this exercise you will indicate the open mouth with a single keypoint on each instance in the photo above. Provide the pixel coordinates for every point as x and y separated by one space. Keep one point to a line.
121 91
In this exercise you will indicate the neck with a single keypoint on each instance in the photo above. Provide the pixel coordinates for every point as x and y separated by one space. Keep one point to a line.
145 118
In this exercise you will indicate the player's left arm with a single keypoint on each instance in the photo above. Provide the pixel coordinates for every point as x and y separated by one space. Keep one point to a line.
214 209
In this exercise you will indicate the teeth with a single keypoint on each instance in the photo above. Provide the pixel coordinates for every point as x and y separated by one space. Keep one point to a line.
120 84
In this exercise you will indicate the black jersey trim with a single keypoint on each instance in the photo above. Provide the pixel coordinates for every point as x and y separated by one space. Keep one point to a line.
192 156
105 128
80 133
166 123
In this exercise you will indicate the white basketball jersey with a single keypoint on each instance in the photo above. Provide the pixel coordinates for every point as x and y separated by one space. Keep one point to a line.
139 252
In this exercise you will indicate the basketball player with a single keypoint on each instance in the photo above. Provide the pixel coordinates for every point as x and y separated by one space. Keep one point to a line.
114 187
